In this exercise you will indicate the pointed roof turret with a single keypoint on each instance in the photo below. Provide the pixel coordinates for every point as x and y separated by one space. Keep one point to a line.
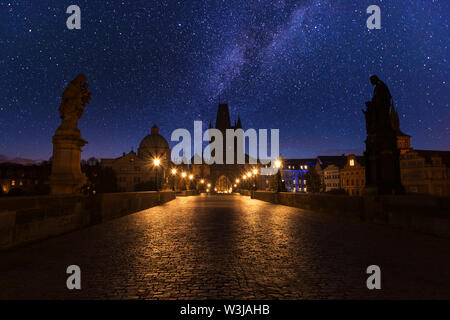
239 123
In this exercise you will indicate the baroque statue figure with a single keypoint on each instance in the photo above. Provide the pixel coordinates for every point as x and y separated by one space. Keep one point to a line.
66 176
382 163
377 113
74 100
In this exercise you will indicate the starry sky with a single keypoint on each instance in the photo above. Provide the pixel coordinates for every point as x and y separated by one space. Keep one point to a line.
300 66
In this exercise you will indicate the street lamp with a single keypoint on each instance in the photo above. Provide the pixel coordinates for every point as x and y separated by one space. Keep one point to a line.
237 180
156 163
191 177
277 164
202 181
255 172
174 172
278 175
183 174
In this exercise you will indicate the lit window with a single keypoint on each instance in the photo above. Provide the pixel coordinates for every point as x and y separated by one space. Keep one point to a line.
352 162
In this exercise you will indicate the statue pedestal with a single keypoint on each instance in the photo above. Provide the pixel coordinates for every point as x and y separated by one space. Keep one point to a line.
382 164
66 176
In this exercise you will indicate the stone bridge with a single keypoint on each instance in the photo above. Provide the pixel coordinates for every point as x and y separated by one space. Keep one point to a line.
228 247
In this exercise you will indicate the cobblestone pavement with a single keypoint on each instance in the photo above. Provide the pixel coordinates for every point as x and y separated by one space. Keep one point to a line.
214 247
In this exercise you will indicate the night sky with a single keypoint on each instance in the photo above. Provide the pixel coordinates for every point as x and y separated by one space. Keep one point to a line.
300 66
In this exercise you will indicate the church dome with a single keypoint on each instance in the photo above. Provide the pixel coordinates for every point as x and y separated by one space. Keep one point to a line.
153 143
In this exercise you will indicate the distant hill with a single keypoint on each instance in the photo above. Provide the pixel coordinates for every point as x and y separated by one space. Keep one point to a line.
18 160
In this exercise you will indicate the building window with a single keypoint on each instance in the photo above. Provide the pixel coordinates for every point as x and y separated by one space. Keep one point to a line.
436 162
352 162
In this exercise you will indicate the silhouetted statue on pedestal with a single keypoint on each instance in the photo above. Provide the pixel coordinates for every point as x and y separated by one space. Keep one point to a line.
381 155
66 176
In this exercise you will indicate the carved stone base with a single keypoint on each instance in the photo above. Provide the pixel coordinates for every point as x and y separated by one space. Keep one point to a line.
66 176
382 164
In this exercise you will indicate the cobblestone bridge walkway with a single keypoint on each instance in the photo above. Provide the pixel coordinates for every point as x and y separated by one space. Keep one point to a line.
229 247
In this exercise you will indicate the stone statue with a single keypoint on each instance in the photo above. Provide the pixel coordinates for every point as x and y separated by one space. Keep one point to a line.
74 100
66 176
377 113
382 163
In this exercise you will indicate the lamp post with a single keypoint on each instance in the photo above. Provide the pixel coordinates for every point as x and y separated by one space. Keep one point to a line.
174 173
156 163
278 165
255 172
191 177
202 183
183 176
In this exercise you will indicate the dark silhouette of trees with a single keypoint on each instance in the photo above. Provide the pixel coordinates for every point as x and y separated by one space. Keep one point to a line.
99 179
313 181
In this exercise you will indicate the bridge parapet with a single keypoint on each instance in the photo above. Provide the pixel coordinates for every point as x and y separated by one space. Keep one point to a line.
424 213
27 219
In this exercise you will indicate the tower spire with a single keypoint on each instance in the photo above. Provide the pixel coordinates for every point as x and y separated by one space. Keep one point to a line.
239 123
223 117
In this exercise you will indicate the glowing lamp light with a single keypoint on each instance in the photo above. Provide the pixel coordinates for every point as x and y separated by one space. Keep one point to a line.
209 185
183 174
277 164
191 177
255 171
174 171
202 181
156 162
237 180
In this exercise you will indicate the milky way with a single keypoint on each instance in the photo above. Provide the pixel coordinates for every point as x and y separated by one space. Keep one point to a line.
300 66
